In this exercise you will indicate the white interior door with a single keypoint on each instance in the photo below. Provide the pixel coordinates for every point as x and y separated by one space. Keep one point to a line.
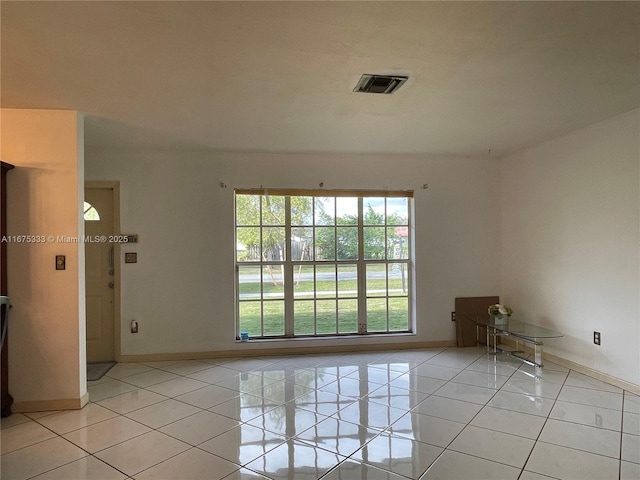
100 267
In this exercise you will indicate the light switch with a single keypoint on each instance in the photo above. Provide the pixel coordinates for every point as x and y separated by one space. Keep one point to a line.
61 262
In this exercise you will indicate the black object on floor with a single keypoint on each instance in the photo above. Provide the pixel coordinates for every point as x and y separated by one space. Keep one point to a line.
95 371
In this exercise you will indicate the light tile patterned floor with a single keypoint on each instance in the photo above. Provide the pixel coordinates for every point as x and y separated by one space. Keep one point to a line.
419 414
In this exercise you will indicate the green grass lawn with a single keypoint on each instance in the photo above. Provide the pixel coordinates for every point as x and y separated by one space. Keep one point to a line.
305 288
329 305
329 316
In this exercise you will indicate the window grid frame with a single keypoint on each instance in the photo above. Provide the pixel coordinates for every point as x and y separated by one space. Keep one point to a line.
289 266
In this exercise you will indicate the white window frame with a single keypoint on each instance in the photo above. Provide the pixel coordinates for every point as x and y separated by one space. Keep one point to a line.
289 265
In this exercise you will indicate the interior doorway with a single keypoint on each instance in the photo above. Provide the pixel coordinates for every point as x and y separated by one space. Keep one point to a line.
101 254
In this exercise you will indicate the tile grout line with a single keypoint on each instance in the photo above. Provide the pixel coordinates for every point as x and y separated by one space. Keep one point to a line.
621 437
387 386
544 424
478 413
153 429
446 448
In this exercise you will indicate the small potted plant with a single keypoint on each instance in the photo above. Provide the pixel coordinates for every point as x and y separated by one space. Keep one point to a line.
500 313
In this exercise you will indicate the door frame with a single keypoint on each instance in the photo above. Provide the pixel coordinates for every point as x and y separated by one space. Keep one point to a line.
115 186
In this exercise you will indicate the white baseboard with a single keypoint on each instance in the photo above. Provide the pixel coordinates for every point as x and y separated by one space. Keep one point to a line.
254 352
603 377
50 405
153 357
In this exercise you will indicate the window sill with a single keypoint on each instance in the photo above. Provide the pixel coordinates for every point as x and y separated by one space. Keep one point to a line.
326 338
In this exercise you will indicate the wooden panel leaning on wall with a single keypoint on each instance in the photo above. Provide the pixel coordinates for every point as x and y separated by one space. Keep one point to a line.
466 329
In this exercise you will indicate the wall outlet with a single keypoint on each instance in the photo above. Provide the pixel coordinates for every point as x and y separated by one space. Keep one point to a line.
596 338
598 420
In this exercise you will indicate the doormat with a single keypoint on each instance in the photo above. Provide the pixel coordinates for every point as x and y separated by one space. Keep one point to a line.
95 371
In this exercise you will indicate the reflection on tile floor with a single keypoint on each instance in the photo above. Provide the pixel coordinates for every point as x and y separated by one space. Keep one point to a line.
442 413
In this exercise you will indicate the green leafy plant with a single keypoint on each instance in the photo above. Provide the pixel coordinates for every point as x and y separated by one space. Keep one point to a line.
499 309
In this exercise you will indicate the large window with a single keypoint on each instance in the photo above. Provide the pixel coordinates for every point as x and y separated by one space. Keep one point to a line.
317 263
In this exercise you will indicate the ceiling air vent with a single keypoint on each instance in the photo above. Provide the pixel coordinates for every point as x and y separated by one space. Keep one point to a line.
379 83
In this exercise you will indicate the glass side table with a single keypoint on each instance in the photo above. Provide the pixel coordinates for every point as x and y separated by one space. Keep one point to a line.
519 330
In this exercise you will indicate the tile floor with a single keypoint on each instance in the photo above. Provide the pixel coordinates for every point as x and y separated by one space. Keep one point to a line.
423 414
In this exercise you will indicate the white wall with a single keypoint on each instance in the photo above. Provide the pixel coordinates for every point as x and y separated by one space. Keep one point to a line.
181 291
44 198
570 233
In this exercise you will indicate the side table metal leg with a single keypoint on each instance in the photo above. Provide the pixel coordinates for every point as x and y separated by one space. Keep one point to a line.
488 344
495 342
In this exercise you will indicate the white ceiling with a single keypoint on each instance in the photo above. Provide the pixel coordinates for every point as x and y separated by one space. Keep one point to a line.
278 76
